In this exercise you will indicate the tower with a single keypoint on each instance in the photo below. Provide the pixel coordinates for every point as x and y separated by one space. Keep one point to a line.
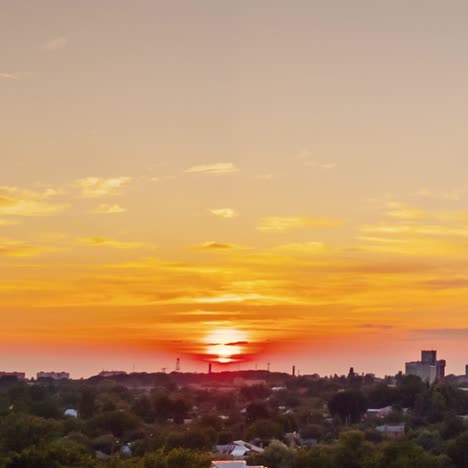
177 365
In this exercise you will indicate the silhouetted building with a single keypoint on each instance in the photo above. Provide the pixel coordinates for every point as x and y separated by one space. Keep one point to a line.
111 373
429 369
19 375
53 375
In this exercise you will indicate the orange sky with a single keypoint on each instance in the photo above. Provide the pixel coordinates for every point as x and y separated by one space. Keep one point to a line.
277 182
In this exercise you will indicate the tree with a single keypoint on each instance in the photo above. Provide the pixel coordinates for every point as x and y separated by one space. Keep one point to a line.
276 455
458 450
143 408
264 429
183 458
349 406
20 431
59 454
406 454
256 411
353 451
162 407
87 405
179 411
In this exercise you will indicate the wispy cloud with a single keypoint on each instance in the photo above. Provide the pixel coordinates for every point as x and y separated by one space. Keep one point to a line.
99 187
213 169
212 245
286 223
20 202
320 165
453 195
303 247
105 208
307 157
8 222
266 177
8 76
57 43
400 211
106 242
224 212
14 248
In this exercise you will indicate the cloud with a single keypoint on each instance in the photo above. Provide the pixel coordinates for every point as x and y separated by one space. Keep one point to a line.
7 222
98 187
105 242
286 223
266 177
304 247
216 246
441 333
453 195
378 326
213 169
224 213
446 283
8 76
306 156
19 202
399 211
57 43
13 248
321 165
421 230
105 208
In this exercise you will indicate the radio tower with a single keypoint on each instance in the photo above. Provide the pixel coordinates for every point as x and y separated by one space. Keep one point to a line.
177 365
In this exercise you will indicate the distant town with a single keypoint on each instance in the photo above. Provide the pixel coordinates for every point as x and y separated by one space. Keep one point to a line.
250 418
428 368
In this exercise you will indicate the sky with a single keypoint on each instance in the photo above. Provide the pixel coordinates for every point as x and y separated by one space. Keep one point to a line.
243 182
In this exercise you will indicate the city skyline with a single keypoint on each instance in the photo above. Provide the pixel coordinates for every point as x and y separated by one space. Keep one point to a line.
237 183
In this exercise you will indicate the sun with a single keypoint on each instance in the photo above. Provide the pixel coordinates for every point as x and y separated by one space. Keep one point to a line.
225 344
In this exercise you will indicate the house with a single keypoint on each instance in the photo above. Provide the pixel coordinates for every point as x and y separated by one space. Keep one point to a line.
392 431
379 412
233 464
238 449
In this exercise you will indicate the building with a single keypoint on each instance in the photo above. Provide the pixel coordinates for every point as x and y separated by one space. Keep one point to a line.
233 464
21 376
53 375
429 369
113 373
392 431
379 412
238 449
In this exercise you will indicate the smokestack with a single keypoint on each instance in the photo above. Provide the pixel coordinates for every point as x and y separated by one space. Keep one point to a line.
209 368
294 371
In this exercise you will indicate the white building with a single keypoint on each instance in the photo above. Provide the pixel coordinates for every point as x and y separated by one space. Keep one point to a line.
428 369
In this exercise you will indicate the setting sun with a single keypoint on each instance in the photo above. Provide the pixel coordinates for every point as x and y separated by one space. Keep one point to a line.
225 345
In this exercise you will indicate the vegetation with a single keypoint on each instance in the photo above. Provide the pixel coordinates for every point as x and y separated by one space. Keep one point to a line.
176 421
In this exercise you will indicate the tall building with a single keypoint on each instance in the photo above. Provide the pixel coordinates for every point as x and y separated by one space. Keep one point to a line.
429 369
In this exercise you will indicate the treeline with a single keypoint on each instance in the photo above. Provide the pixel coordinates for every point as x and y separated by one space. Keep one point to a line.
304 422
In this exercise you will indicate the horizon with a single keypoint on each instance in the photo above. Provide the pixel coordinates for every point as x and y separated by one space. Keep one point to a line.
233 183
